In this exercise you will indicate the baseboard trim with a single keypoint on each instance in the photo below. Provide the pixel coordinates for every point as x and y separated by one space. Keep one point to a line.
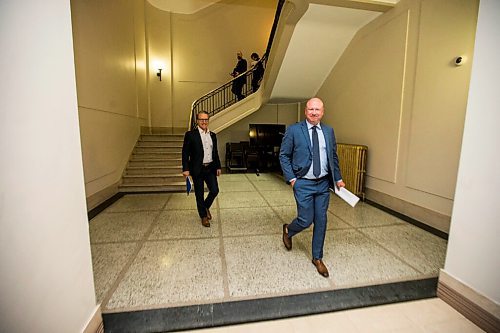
475 307
94 212
96 324
98 198
408 219
426 216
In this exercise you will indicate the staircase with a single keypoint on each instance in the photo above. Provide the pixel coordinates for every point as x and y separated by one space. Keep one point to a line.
155 165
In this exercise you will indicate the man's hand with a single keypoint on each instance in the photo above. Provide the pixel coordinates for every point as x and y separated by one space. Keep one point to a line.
185 173
340 184
292 182
219 171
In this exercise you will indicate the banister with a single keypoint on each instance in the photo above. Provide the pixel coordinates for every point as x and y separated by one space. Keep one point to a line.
222 97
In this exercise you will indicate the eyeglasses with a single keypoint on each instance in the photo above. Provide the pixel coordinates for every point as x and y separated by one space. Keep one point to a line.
203 120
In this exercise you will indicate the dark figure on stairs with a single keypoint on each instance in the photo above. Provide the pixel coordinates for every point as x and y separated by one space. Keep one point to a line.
241 67
258 71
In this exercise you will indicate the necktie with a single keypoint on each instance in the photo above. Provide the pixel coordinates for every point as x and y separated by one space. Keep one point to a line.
316 161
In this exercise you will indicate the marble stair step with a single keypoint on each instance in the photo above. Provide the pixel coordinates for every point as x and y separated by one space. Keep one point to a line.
153 179
162 137
155 162
153 170
173 144
155 165
170 187
156 149
153 155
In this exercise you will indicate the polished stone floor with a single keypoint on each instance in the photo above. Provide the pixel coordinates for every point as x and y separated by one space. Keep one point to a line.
149 251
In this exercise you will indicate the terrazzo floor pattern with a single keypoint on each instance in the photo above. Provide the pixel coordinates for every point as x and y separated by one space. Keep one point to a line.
150 251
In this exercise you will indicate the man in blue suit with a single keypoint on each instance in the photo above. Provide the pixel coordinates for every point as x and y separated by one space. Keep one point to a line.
309 160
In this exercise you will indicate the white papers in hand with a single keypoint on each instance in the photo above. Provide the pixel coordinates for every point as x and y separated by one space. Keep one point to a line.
346 195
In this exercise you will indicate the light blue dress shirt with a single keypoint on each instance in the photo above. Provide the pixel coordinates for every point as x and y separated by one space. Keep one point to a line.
322 152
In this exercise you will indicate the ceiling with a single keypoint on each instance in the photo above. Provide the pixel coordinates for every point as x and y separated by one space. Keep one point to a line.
182 7
319 39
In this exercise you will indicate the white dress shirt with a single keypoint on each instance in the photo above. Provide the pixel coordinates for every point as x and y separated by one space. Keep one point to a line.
206 140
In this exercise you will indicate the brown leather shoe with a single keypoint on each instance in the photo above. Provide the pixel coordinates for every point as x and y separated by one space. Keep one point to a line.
286 240
320 267
208 214
204 222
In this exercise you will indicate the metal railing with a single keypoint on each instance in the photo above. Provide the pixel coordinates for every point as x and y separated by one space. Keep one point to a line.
222 97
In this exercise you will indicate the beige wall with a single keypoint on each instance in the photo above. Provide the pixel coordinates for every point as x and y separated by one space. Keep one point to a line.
158 40
396 90
474 232
204 47
198 52
46 280
111 85
141 63
118 50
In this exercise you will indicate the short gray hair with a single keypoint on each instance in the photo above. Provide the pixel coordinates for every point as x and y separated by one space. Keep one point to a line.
202 112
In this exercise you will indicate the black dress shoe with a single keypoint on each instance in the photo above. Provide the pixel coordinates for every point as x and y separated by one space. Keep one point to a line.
208 214
286 240
320 267
204 222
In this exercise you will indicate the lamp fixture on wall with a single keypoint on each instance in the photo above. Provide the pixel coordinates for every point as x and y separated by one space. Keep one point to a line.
159 73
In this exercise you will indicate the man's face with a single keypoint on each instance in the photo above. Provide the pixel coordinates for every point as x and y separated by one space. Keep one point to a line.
239 55
203 121
314 111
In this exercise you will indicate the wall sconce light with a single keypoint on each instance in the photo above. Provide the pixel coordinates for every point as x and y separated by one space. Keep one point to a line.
159 73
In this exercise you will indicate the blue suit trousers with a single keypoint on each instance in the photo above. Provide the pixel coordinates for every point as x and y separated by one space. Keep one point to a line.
312 198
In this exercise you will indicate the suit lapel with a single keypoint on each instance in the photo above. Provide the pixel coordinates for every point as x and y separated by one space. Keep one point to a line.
199 144
197 136
326 135
305 131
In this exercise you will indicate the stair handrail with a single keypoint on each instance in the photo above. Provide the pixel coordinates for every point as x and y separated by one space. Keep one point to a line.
222 97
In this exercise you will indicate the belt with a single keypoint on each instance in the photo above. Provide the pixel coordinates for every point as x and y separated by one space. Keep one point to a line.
207 164
317 179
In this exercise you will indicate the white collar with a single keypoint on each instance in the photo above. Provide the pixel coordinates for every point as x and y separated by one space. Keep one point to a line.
309 125
202 131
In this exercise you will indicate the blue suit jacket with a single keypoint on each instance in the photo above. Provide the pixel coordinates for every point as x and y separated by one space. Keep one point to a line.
296 152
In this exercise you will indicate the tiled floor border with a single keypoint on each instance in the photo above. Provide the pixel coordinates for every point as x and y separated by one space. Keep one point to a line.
228 313
421 225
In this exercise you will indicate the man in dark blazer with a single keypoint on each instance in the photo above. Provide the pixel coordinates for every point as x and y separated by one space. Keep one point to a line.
309 160
241 67
200 160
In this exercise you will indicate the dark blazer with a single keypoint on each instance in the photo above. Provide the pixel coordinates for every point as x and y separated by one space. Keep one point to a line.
192 153
296 152
241 67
